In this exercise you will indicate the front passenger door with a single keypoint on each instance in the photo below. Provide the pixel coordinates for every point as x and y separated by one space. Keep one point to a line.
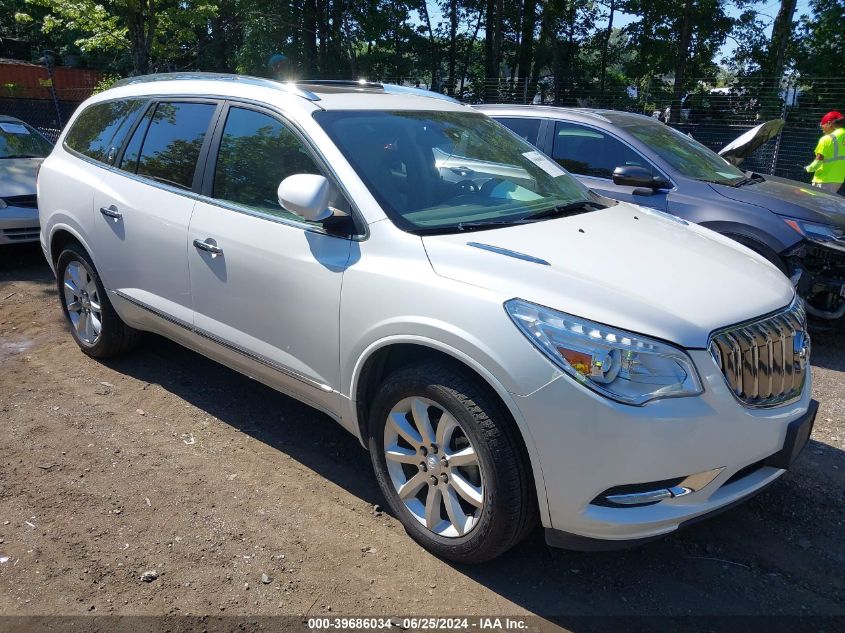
265 283
592 155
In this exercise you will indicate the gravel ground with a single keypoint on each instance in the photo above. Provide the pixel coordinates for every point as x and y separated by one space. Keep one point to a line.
244 501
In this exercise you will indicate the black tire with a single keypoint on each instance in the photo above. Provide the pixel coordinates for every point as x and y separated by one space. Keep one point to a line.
115 336
509 507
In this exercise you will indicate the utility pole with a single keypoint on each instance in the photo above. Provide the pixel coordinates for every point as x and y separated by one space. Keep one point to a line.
48 63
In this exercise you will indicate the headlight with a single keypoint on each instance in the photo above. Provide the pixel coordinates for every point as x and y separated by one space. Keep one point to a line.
3 204
826 234
623 366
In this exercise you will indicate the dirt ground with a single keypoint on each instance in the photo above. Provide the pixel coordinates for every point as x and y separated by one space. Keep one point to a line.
163 460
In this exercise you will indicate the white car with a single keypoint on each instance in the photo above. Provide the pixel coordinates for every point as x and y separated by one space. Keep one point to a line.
508 346
22 148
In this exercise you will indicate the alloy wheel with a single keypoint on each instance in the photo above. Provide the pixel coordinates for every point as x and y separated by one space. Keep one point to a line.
434 467
83 302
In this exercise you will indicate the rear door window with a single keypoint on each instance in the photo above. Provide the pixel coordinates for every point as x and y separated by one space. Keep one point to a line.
527 129
170 144
100 130
590 152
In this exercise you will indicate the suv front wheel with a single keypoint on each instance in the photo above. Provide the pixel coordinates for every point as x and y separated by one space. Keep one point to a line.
450 464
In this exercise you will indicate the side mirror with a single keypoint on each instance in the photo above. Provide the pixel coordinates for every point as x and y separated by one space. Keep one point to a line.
636 176
306 195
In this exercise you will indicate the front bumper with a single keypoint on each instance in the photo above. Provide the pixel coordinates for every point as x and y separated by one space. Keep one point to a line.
588 445
819 277
18 225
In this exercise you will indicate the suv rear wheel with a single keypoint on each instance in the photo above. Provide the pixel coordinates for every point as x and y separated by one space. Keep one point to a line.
94 324
450 463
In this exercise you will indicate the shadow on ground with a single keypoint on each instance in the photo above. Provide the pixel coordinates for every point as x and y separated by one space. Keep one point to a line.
781 552
23 262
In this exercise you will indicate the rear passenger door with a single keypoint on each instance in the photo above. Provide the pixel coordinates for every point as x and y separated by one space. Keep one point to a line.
143 208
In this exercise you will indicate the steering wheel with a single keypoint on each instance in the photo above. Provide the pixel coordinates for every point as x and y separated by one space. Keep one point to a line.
467 186
487 188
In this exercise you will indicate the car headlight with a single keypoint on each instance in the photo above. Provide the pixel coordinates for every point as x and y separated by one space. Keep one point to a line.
620 365
826 234
3 204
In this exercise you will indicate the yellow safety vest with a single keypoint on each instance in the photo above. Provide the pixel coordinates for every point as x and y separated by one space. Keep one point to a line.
832 148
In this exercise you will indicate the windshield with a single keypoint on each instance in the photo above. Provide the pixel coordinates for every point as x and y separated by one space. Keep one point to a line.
18 140
451 171
685 154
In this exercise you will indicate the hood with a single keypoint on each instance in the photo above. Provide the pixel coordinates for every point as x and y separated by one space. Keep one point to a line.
17 176
624 266
746 144
789 198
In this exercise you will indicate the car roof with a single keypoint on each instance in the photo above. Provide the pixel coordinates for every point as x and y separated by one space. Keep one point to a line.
306 95
615 117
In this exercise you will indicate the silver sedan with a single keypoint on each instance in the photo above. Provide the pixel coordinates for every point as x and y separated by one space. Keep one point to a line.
22 148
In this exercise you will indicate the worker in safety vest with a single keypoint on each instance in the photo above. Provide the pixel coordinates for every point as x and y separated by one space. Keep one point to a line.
829 167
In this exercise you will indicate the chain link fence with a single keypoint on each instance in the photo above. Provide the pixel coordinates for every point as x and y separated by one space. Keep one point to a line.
713 114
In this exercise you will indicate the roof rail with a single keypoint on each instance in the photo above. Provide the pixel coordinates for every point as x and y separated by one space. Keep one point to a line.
420 92
361 83
289 87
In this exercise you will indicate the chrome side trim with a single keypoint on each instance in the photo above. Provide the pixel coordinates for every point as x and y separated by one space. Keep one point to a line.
690 484
162 315
509 253
267 362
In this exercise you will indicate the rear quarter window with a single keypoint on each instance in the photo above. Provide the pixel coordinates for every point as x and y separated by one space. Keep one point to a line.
527 129
100 129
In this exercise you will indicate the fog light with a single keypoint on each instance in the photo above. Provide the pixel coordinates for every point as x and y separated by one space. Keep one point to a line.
636 495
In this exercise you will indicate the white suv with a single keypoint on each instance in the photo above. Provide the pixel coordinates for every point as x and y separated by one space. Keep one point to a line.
507 345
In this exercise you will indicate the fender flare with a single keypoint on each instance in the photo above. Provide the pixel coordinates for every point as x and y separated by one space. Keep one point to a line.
507 398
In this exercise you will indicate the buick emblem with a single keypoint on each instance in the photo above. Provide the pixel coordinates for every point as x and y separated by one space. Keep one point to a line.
801 349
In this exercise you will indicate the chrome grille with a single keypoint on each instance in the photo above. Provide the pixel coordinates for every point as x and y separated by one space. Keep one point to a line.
764 361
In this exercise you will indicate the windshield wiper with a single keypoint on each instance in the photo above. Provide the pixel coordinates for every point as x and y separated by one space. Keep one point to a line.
565 210
478 225
754 178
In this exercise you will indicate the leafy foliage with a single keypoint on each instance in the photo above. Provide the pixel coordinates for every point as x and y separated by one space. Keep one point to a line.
561 50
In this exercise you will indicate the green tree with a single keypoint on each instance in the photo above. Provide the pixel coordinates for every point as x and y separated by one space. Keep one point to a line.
677 39
166 31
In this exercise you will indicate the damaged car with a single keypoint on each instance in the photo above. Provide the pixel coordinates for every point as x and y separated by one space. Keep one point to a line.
635 158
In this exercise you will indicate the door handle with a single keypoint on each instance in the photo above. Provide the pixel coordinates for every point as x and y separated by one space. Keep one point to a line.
209 246
111 212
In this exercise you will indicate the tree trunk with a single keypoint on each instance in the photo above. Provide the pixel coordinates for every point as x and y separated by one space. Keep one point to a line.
541 56
335 38
432 52
491 54
470 46
323 33
526 48
776 53
141 23
606 45
684 40
309 38
453 44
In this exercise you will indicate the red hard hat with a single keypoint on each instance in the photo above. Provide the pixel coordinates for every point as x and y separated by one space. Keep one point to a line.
830 117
